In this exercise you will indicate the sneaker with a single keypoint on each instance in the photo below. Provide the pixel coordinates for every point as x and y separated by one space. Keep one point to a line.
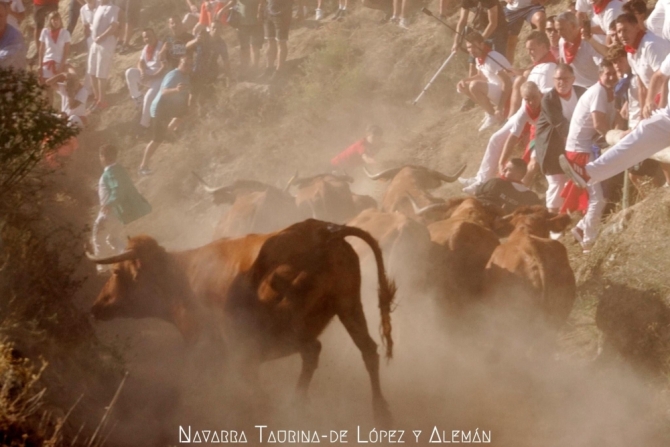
319 14
586 248
469 104
404 23
574 172
467 181
578 234
471 189
489 121
337 15
145 172
394 19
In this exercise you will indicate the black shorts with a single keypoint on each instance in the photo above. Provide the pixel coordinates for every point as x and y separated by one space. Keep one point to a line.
250 35
165 112
130 9
40 13
516 18
277 27
647 168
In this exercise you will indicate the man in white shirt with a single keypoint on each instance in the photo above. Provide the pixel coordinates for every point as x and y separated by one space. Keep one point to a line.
646 51
575 52
491 86
86 16
604 13
103 32
502 143
542 71
148 73
590 122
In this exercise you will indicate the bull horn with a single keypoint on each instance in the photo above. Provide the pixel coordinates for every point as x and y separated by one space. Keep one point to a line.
449 178
208 188
421 211
290 182
389 173
125 256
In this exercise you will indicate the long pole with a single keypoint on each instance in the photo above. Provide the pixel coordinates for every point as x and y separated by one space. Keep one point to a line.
442 67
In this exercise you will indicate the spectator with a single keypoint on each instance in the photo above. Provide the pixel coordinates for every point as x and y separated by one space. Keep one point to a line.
503 142
516 11
103 32
41 8
209 13
148 73
491 86
604 13
576 53
192 17
639 9
169 106
73 96
120 204
249 34
17 12
495 29
646 51
277 25
627 90
551 132
175 45
553 36
54 47
129 12
86 14
207 48
542 72
12 46
506 192
654 22
589 124
74 13
362 151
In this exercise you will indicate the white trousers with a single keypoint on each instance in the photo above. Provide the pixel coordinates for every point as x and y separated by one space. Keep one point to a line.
134 82
555 183
108 235
489 167
649 137
590 223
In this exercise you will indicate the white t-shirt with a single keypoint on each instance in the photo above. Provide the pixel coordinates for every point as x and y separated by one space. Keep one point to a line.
54 50
520 119
16 6
656 19
103 17
582 131
490 68
613 10
634 110
665 4
81 96
585 63
515 5
665 70
154 64
543 76
86 15
649 55
568 105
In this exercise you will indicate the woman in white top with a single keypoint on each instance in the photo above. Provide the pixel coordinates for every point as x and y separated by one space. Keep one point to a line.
54 47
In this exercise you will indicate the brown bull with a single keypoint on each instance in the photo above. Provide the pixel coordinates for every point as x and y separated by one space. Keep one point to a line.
466 238
530 273
329 197
277 293
411 181
255 208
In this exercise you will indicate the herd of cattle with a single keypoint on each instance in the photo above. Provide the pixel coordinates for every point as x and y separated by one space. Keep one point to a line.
274 291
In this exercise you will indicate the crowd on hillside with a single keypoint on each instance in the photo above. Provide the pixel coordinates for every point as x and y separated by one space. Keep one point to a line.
598 65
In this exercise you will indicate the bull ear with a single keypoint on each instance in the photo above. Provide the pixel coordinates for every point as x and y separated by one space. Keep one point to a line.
558 223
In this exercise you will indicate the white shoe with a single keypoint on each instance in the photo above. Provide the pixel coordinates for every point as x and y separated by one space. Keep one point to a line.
578 234
489 121
467 181
404 23
471 189
319 14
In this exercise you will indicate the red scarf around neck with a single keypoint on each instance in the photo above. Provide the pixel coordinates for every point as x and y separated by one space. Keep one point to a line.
632 49
533 114
570 49
601 6
547 58
485 53
150 52
54 34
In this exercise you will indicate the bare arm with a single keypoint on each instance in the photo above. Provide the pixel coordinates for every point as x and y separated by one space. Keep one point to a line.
658 82
600 122
493 23
460 26
111 30
506 154
506 91
599 47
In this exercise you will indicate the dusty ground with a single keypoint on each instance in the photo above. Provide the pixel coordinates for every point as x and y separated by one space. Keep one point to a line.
345 76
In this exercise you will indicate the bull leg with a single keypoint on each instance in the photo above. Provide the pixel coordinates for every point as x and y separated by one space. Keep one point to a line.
354 321
309 352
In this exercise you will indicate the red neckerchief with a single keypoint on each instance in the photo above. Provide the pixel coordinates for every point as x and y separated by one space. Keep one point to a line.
150 52
570 49
566 97
54 34
601 6
632 49
532 113
546 59
486 50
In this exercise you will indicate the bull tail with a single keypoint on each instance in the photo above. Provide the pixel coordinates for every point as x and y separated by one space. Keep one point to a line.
387 288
